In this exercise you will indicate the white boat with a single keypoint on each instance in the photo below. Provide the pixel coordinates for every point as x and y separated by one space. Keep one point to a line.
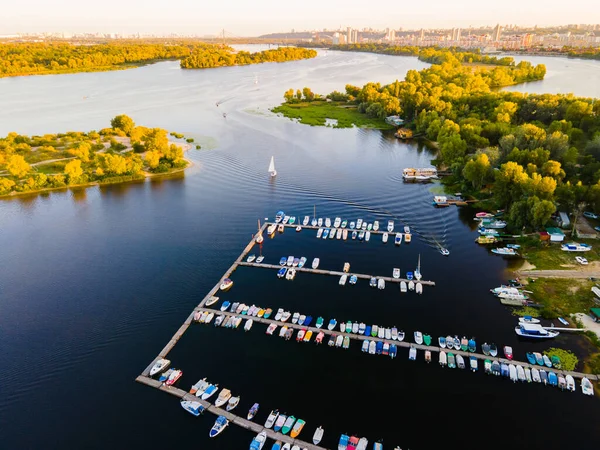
398 239
332 233
384 238
285 316
460 361
345 234
412 353
232 403
381 283
372 347
390 226
159 366
362 444
535 375
528 374
193 407
291 274
528 319
271 419
251 258
443 359
211 301
359 223
260 259
444 251
327 222
295 317
337 222
512 372
534 330
570 383
417 273
315 263
521 373
396 272
271 328
343 279
319 222
388 334
376 225
319 233
248 324
403 286
290 261
418 337
259 441
259 237
271 229
365 346
282 331
367 236
318 435
271 168
411 285
338 234
586 386
419 174
306 220
339 340
419 288
220 424
575 247
286 219
278 314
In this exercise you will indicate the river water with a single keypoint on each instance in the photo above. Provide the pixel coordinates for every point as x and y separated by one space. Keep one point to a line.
95 281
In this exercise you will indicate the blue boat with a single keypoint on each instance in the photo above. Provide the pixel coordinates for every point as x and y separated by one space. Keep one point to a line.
504 370
515 246
530 358
343 441
409 275
368 330
276 446
325 233
442 341
354 234
563 321
472 345
283 261
379 347
225 306
280 421
393 351
281 272
377 446
539 359
552 379
332 324
307 321
353 279
473 362
219 426
496 368
279 216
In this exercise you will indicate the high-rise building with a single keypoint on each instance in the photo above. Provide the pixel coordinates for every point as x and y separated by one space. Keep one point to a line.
455 34
527 40
349 35
355 36
422 35
497 34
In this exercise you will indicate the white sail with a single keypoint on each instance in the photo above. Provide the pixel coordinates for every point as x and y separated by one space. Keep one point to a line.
272 170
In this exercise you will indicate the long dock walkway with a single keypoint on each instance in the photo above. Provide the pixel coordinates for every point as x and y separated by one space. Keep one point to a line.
360 337
350 230
336 273
233 419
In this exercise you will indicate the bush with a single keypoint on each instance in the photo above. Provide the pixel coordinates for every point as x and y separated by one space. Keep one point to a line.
198 147
189 140
176 135
138 147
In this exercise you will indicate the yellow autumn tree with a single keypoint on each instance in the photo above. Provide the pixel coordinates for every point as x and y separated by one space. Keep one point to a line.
17 166
73 170
153 158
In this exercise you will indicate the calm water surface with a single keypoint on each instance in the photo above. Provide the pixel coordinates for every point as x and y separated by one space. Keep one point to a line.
94 282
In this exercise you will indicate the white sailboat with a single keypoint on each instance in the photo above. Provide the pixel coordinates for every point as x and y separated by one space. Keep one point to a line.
259 236
272 170
418 270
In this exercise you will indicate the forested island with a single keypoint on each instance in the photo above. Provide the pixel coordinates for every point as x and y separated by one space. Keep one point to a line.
123 152
214 56
58 58
519 152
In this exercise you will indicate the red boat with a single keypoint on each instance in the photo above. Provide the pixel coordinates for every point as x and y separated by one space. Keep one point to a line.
508 352
175 375
352 443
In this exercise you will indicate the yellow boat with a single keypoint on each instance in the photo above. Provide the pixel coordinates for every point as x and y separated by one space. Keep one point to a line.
346 267
307 336
486 240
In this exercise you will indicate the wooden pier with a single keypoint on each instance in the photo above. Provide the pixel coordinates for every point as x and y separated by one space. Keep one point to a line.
335 273
405 344
233 419
350 230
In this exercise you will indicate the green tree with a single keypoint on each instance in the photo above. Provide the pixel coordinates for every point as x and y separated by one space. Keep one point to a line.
17 166
453 149
477 170
577 111
123 123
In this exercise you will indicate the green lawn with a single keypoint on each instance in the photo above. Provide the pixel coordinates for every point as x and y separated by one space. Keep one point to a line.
562 296
317 113
55 167
549 257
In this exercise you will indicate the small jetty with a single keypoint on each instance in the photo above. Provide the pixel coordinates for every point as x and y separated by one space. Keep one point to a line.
233 419
338 274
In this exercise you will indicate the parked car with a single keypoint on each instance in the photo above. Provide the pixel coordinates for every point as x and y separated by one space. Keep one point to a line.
590 215
581 260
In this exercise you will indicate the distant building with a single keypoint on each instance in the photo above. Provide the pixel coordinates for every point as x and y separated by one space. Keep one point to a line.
455 34
527 40
349 35
563 220
556 235
497 34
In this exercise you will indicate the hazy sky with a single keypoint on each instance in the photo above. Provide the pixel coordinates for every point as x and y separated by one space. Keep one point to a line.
254 17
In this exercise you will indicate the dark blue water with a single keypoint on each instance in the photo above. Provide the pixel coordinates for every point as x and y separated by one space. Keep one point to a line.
94 282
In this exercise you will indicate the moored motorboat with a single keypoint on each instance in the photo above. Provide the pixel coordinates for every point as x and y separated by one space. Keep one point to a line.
398 239
396 272
412 353
297 428
253 411
173 377
520 373
199 387
159 366
403 286
384 237
343 442
287 426
485 348
473 363
586 386
534 330
223 397
512 372
332 324
259 441
226 284
211 301
210 391
193 407
493 350
451 361
271 328
318 435
460 361
508 352
232 403
280 422
381 284
220 424
315 263
442 342
443 358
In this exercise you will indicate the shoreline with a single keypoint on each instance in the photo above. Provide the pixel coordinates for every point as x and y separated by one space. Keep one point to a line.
144 175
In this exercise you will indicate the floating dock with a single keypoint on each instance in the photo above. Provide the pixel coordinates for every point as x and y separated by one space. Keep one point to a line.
337 274
233 419
406 344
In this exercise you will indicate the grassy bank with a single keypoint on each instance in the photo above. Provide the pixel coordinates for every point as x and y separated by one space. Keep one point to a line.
561 296
546 256
317 113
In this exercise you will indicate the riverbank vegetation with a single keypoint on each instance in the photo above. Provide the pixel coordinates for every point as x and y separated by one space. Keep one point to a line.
518 152
561 297
216 56
546 256
120 153
54 58
568 360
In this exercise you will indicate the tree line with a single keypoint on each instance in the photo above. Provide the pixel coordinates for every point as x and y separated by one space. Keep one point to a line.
97 156
46 58
527 152
215 56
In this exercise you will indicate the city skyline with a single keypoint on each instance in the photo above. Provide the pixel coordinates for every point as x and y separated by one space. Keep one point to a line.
186 17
